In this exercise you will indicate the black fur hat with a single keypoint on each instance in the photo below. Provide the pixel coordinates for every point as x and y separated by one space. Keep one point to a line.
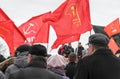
22 48
38 50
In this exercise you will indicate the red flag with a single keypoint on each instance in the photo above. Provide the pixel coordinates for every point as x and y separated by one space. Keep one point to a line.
9 32
65 39
72 17
3 16
114 47
113 28
18 38
35 30
6 32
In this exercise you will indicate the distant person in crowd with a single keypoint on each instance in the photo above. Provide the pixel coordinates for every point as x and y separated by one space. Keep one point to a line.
101 62
71 66
2 58
84 53
7 62
20 61
67 50
61 49
79 50
70 48
56 63
37 67
1 75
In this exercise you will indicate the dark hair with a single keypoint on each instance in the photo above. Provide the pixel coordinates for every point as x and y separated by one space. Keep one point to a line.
22 48
72 57
79 42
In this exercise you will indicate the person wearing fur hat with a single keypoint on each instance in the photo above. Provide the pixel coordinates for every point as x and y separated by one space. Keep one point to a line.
37 67
56 63
101 63
20 60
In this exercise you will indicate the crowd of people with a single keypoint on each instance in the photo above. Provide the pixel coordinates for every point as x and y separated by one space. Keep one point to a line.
33 62
65 50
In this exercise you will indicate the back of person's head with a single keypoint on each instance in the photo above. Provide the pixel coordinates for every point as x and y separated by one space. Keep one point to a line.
55 61
72 57
37 55
24 48
38 50
99 40
69 44
79 42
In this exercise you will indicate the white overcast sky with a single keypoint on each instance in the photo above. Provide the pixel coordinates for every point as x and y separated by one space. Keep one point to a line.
102 11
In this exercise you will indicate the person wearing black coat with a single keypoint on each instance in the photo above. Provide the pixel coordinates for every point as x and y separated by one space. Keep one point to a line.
70 67
101 63
37 67
20 60
79 50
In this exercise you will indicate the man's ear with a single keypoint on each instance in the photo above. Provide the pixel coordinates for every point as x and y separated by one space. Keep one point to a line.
29 57
90 50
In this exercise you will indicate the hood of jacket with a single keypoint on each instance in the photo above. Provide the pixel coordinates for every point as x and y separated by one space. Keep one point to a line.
21 61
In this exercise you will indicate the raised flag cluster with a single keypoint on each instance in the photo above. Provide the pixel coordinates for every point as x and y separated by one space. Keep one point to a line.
113 31
69 20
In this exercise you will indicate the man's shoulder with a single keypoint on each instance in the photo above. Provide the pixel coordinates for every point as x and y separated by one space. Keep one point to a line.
88 58
37 72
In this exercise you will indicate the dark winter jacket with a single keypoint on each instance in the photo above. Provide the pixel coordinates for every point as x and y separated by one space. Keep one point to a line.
100 65
79 50
1 75
35 70
20 62
70 69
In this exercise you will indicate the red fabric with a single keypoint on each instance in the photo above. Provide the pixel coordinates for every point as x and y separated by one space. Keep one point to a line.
70 18
113 28
6 32
35 30
3 16
114 47
65 39
61 50
9 32
18 38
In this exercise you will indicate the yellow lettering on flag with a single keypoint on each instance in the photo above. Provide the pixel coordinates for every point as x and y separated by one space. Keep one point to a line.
73 11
